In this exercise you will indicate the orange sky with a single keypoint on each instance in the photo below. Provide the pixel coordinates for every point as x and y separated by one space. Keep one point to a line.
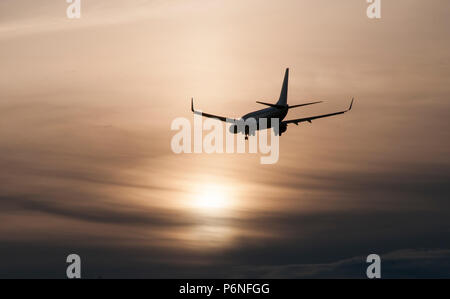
85 130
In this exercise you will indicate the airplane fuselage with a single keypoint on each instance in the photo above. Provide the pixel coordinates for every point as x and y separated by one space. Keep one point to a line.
267 113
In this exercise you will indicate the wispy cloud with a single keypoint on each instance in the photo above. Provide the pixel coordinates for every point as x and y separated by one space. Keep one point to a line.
408 263
85 136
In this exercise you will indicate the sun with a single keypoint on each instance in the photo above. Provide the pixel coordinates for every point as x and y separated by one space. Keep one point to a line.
212 200
214 207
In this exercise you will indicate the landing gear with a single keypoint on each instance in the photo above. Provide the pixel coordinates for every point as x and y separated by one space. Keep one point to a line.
246 137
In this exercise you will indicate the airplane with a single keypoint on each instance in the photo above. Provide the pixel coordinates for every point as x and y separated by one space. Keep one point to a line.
278 110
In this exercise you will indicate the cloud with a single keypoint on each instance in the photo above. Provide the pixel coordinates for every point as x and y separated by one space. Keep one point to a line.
407 263
109 214
85 128
24 17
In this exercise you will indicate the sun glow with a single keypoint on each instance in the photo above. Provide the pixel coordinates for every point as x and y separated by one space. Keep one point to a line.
212 199
214 204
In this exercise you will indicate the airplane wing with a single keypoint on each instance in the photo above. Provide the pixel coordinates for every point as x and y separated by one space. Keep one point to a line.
309 119
222 118
287 106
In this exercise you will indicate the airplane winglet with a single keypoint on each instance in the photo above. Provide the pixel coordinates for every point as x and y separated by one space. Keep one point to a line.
351 104
192 104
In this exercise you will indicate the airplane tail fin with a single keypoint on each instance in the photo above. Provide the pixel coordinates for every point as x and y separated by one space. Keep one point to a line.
284 90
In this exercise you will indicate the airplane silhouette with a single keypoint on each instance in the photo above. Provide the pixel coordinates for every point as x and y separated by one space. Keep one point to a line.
276 111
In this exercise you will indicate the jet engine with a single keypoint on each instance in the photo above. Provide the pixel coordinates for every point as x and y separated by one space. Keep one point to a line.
234 129
282 128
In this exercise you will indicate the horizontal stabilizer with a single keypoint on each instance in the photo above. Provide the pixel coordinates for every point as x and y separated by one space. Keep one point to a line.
272 105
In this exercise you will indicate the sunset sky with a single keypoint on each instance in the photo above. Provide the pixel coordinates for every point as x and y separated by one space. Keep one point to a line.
86 164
